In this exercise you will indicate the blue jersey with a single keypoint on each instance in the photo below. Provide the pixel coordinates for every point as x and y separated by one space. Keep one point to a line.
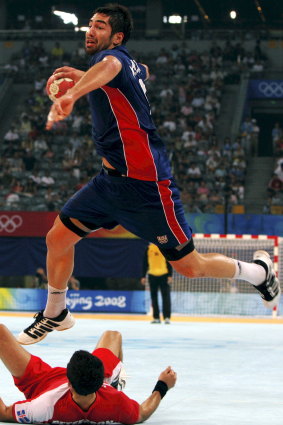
123 130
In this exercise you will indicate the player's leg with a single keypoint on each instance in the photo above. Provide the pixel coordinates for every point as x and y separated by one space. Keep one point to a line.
60 262
260 273
115 373
154 286
113 341
64 235
166 298
161 220
61 240
195 264
12 354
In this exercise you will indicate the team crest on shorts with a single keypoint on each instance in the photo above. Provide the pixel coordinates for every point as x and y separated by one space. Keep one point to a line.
162 239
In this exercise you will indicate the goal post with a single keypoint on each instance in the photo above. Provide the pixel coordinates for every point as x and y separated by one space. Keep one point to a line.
214 296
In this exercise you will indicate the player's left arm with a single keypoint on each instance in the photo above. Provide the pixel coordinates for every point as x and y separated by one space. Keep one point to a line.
6 412
146 71
168 379
97 76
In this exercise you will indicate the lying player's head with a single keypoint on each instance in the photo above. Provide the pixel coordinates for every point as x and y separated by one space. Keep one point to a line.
85 372
120 19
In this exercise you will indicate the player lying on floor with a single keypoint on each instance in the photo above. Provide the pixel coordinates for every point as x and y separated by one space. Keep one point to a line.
87 390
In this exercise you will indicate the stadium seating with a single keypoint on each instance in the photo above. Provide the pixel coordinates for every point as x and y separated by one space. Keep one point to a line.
186 116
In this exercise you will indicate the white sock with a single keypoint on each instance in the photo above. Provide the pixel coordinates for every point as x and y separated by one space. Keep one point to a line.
56 302
251 272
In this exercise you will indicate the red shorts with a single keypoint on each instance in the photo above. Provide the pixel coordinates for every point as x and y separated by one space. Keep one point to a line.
39 375
112 364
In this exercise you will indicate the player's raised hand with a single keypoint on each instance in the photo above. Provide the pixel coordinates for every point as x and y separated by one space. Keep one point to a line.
168 376
67 72
60 110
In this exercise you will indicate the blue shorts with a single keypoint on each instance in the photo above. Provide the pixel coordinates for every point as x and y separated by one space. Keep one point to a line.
150 210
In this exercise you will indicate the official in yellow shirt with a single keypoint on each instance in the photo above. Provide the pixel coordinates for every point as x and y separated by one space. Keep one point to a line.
159 272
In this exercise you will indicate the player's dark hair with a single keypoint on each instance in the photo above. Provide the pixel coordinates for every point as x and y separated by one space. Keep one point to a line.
120 19
85 372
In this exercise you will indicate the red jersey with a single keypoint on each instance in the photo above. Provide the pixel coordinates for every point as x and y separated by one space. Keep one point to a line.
50 400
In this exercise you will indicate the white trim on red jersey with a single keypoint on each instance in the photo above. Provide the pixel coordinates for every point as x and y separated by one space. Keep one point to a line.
41 408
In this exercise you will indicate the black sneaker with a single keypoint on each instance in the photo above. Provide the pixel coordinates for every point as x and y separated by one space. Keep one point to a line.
270 289
39 329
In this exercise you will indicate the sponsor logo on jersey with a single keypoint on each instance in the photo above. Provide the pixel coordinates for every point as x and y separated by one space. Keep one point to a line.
22 417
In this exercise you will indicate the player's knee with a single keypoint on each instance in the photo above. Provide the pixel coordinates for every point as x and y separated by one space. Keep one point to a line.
112 337
51 239
55 241
112 334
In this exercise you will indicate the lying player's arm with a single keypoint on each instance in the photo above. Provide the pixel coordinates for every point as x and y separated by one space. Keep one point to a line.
6 412
97 76
149 406
168 379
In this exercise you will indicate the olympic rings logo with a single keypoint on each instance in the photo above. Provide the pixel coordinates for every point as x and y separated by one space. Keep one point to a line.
10 224
272 89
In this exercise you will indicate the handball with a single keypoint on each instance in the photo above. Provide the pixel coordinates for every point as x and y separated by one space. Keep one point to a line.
58 88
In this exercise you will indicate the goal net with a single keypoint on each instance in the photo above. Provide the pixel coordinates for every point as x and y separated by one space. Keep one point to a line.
213 296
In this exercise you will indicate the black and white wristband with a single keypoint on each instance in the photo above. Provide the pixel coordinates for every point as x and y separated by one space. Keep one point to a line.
161 387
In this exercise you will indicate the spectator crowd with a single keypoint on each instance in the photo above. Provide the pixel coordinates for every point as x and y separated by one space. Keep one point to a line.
39 170
274 202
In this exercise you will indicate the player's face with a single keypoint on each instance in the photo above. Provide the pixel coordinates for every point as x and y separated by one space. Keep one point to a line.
98 36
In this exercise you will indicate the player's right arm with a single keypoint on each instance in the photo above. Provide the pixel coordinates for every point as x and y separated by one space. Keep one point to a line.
97 76
152 402
6 412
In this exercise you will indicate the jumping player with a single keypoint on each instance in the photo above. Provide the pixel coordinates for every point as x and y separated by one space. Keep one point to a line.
85 391
135 187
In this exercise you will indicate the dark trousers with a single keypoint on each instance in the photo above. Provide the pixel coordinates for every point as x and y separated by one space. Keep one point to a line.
156 282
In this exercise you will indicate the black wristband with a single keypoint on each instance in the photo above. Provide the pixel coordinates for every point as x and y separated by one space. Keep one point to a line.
161 387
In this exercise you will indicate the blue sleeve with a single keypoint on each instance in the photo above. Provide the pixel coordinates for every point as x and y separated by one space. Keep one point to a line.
143 71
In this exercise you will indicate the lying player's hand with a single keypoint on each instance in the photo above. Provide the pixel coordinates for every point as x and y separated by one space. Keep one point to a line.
67 72
168 376
60 110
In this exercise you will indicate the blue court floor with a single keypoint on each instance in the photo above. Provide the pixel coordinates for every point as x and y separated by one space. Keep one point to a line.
228 373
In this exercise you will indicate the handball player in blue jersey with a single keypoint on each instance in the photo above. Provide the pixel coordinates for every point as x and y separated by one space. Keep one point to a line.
135 187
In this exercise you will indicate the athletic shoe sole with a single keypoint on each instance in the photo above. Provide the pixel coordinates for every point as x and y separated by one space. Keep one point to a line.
271 285
45 326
